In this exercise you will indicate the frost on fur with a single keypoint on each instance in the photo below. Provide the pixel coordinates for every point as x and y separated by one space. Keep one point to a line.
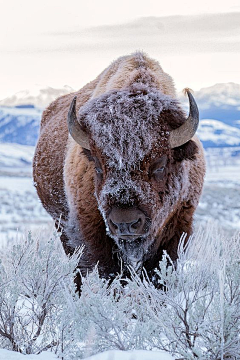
125 124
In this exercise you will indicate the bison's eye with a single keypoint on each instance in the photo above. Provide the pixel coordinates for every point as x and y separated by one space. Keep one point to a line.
98 170
98 167
157 169
160 170
158 173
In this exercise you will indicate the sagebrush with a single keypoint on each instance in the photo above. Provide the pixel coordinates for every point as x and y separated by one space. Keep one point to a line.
194 315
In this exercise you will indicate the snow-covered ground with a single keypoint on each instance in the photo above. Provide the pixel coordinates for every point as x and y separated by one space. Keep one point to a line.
10 355
220 200
108 355
20 208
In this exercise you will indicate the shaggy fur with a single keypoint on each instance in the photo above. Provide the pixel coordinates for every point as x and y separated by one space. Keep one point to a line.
128 112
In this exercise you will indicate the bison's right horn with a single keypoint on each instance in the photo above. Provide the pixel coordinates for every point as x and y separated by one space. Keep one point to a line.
185 132
74 127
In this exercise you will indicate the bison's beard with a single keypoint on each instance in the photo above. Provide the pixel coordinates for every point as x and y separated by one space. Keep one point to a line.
134 251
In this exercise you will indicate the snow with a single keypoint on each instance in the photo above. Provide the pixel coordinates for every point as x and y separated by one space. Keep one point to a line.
228 175
107 355
15 155
19 125
218 133
11 355
20 208
156 326
131 355
20 185
7 110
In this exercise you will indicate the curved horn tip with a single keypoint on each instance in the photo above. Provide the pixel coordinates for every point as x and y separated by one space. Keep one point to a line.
73 103
187 90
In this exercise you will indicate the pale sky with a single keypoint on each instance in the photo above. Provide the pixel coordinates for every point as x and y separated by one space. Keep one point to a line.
54 42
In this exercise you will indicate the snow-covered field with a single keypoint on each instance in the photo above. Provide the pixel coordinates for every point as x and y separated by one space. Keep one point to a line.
107 355
20 208
220 200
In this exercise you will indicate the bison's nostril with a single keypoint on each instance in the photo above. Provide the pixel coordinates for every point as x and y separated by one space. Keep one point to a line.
112 224
135 225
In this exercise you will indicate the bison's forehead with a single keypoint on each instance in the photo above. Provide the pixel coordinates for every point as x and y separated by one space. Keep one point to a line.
126 125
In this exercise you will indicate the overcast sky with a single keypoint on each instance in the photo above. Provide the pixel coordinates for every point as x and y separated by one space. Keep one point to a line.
54 42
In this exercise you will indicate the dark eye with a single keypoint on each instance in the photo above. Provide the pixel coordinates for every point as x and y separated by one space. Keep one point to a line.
98 167
158 167
98 170
159 170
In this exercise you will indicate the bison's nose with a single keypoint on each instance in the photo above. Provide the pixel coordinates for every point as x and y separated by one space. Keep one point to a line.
126 222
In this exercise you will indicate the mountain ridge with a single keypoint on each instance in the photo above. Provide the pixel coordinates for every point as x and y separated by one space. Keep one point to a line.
220 101
219 125
39 96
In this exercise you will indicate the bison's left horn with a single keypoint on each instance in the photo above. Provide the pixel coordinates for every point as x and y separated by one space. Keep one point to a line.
74 127
185 132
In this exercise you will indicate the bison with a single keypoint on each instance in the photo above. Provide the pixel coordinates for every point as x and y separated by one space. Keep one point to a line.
119 169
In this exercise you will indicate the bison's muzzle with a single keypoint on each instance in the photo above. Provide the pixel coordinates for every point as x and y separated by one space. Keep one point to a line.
129 227
127 223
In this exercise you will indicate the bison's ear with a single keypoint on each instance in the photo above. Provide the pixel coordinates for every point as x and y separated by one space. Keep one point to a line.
187 151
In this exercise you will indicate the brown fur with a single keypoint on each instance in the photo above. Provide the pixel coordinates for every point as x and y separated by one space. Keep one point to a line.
65 177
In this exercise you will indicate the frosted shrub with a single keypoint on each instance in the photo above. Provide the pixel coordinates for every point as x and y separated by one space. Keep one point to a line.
194 314
112 315
32 272
199 310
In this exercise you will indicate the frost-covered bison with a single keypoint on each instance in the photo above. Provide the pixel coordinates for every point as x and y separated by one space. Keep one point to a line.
126 181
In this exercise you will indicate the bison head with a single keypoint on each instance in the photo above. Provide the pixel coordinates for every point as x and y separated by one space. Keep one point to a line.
139 140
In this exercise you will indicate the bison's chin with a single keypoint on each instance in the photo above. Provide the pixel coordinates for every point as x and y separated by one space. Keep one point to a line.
133 251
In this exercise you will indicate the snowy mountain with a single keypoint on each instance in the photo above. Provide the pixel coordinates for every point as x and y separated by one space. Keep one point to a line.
214 133
15 155
220 101
38 96
19 125
220 95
